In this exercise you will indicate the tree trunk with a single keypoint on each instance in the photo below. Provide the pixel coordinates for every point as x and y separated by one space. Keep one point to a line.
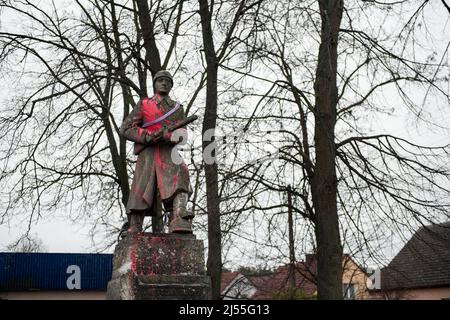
121 165
324 187
291 241
141 70
214 264
152 56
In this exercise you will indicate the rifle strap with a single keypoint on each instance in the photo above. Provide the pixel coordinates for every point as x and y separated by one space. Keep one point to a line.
164 116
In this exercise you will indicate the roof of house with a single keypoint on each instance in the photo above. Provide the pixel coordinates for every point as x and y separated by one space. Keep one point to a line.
49 271
280 281
227 278
423 262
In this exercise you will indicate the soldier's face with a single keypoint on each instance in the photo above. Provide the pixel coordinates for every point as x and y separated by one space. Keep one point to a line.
163 85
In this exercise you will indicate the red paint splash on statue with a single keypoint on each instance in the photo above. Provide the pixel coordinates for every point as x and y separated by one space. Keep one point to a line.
175 181
133 255
150 112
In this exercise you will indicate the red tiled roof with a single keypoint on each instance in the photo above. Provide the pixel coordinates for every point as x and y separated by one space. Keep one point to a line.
280 282
227 278
268 287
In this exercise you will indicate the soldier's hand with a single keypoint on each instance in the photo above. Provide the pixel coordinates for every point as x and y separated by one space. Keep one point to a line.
154 137
164 135
167 136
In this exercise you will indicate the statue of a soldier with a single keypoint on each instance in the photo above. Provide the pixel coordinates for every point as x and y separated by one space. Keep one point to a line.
156 172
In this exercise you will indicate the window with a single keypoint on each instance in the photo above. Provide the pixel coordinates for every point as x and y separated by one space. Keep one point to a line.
349 291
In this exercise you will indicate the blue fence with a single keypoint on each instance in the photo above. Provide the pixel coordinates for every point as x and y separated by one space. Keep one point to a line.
54 271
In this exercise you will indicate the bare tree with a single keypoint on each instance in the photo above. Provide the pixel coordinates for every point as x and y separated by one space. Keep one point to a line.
324 180
213 60
27 243
346 178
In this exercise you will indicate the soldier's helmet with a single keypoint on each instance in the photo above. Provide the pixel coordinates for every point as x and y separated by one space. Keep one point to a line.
163 73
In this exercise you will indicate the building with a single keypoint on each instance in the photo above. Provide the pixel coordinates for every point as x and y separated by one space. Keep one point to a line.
294 282
300 282
297 282
354 280
236 286
421 269
48 276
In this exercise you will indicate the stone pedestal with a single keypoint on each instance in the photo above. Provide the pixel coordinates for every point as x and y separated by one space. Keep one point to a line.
150 266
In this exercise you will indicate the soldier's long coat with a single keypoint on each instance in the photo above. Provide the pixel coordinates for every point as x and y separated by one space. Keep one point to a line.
155 169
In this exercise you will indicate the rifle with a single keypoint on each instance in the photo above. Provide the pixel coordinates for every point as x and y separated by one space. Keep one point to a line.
172 127
180 124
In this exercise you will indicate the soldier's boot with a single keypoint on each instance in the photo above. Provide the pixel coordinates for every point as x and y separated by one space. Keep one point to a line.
181 218
136 220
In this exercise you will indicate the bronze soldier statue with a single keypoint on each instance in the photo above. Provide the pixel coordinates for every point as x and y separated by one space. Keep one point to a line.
150 126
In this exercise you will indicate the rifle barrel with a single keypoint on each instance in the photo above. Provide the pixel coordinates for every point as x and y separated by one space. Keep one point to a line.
182 123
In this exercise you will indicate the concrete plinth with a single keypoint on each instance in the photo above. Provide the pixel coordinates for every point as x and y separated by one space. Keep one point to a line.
150 266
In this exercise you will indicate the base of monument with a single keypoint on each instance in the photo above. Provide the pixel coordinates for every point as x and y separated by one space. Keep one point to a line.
169 287
159 267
